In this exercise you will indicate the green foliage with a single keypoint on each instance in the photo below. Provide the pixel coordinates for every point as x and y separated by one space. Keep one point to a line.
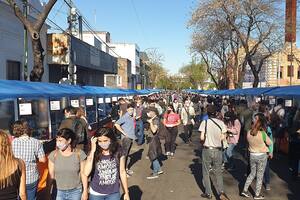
194 74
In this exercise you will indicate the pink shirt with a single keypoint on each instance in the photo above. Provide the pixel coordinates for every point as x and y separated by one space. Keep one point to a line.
235 129
171 119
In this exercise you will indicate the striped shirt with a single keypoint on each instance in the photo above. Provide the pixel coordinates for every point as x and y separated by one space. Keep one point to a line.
29 150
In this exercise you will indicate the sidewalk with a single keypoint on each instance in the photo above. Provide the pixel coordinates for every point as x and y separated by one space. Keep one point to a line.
182 179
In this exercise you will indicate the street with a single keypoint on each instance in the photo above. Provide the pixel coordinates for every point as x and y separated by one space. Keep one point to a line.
182 178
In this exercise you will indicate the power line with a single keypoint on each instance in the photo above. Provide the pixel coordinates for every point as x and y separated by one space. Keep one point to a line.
138 19
49 20
89 27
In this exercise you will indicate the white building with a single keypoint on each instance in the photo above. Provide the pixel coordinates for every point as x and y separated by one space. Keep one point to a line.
102 40
12 42
132 53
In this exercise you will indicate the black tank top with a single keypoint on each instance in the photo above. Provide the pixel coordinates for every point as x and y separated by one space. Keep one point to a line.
11 192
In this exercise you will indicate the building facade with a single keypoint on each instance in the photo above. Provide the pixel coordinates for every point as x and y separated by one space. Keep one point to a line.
91 64
132 53
120 80
12 49
278 70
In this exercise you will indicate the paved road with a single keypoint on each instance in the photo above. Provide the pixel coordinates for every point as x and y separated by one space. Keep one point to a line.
183 177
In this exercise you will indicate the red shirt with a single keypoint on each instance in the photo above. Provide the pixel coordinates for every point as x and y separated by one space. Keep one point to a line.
171 119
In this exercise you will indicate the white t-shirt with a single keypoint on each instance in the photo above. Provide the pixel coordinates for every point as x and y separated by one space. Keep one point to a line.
214 133
279 110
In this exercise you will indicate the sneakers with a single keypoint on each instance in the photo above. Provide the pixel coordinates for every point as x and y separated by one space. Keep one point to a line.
172 154
153 176
245 194
259 197
129 172
223 196
160 172
206 196
268 188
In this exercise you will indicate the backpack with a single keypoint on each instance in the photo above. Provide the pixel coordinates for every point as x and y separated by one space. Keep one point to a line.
79 129
275 120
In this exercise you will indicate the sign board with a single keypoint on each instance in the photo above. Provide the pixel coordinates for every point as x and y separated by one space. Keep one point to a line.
288 103
25 109
54 105
89 102
107 100
100 100
272 101
75 103
114 99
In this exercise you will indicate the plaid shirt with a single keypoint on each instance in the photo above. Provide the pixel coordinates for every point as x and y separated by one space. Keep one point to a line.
29 150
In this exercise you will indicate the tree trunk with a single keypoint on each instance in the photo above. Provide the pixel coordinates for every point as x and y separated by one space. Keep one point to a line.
38 60
256 80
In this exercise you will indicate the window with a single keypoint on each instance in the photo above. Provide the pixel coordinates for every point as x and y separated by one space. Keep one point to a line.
298 73
13 70
280 72
290 71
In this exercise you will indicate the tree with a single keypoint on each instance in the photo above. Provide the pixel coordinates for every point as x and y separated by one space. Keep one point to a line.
245 33
194 73
34 29
157 73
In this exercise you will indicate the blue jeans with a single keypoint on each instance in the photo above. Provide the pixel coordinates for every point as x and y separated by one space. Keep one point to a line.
114 196
155 166
31 190
140 132
267 173
227 154
72 194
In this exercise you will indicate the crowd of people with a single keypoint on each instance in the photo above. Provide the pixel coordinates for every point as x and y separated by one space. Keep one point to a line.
95 165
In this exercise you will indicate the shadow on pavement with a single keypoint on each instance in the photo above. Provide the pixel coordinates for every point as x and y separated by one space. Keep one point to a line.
135 193
183 137
279 165
196 169
239 173
136 156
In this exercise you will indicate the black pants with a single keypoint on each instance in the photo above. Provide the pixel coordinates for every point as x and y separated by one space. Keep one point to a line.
188 130
126 146
171 138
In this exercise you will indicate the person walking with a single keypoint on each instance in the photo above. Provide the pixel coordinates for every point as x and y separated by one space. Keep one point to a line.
65 168
258 147
233 126
12 173
126 126
106 166
171 121
154 145
187 117
30 150
212 133
139 121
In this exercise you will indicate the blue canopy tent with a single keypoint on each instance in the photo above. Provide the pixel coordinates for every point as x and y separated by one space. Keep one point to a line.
255 91
10 90
288 91
22 89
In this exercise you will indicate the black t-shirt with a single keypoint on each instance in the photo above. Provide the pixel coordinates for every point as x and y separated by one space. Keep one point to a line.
11 192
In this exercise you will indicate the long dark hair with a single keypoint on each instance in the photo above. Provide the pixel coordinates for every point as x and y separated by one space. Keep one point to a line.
114 147
260 125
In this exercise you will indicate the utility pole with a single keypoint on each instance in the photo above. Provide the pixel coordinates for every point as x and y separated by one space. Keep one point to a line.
25 43
72 21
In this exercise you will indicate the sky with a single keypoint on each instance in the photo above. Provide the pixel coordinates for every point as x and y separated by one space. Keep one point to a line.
159 24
